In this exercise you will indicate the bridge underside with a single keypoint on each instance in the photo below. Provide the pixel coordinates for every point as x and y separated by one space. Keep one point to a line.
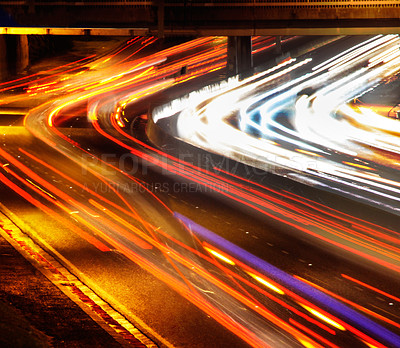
200 18
237 19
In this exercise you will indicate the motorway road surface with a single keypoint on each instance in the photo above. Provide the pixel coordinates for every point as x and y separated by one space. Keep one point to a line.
259 259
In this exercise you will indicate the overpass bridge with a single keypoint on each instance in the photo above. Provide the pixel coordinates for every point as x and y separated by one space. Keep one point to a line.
237 19
203 17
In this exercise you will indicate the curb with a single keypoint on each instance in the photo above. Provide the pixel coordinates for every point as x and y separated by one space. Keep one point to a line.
101 312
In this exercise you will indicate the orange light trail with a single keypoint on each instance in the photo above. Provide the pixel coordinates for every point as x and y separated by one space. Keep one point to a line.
371 287
312 333
67 198
46 71
41 79
89 238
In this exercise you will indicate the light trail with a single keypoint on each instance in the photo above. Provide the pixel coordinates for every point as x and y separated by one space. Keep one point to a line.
207 126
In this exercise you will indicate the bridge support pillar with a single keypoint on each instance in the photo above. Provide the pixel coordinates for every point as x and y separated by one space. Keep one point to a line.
278 44
160 18
14 54
240 59
3 59
22 53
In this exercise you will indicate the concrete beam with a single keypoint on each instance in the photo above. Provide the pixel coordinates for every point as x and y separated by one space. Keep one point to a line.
75 31
284 31
200 31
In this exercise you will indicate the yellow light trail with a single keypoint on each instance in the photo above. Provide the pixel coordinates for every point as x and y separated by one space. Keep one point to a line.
323 317
219 256
267 284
